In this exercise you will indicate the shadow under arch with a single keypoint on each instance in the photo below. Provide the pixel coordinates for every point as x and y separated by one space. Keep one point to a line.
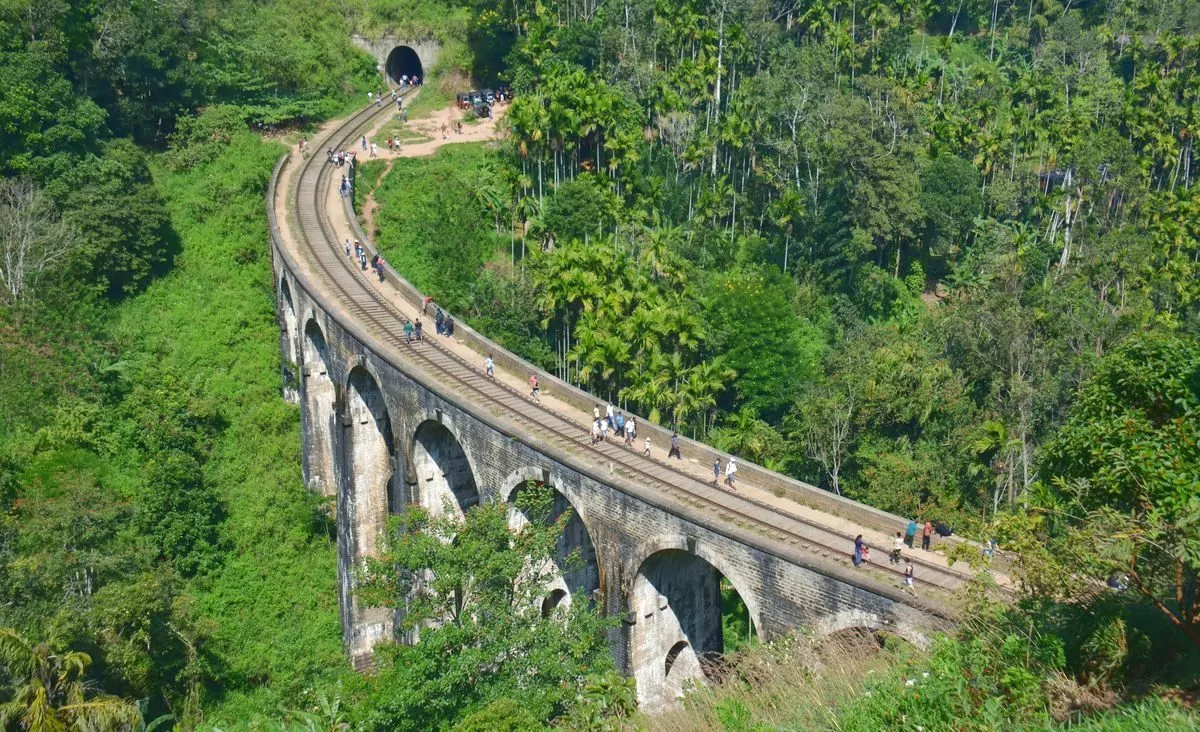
403 61
289 319
677 610
441 470
369 458
576 569
857 621
317 405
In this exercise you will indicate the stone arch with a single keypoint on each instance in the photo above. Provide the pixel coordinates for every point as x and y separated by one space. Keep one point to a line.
369 458
576 569
677 611
553 600
844 620
403 61
318 398
442 470
288 310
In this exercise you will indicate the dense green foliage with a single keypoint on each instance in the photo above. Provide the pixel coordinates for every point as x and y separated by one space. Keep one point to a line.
153 515
940 257
928 216
473 589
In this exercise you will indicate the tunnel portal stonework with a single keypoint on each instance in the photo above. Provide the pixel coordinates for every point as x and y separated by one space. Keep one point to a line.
426 50
378 434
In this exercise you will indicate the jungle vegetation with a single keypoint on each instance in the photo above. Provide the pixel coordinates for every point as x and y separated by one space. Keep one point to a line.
937 256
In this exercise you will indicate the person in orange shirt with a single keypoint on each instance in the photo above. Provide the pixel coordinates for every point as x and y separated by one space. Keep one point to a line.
926 535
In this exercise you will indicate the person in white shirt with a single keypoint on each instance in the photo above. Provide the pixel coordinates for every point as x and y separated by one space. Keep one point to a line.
730 472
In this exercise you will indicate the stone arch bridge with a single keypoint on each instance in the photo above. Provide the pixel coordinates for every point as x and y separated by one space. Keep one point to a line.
387 424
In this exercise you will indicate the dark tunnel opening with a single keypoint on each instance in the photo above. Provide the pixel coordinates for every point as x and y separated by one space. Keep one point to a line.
403 61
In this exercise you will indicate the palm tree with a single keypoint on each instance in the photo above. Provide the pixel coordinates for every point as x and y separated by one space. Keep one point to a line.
49 692
1003 449
705 382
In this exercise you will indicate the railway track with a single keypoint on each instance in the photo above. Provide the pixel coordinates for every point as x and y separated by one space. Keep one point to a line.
319 245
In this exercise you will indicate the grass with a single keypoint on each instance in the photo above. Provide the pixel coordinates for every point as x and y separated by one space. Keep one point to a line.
431 98
271 610
398 130
428 219
843 682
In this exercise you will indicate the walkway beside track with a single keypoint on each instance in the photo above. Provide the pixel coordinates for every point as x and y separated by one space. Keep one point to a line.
314 221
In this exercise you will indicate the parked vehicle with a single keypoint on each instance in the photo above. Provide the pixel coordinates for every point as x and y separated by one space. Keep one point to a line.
476 97
489 96
483 110
463 100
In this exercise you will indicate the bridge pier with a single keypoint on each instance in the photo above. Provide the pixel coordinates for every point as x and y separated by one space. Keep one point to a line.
376 415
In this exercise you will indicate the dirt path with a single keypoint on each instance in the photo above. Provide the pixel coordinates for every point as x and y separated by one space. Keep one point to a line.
485 130
440 128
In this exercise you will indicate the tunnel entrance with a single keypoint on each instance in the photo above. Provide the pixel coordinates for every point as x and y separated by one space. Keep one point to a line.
403 61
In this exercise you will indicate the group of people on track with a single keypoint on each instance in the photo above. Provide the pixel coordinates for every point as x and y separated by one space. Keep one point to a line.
444 323
359 253
340 158
613 421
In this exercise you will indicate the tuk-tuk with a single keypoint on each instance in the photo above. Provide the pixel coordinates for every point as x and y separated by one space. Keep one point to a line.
463 100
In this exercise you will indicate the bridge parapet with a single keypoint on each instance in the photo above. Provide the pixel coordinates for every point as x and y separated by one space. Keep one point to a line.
374 396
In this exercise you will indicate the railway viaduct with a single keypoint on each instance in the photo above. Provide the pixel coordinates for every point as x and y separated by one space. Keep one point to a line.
387 425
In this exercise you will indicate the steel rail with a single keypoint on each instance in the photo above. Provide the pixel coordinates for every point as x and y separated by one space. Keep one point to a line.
383 319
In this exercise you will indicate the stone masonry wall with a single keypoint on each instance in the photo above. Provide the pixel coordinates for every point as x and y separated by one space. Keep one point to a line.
783 588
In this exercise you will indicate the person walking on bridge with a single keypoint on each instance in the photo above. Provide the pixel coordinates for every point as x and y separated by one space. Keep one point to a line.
716 470
674 451
926 535
408 331
730 473
908 577
417 328
897 547
859 545
535 392
910 534
646 452
489 367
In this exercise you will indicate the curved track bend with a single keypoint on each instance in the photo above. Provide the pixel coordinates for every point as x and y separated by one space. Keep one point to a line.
344 284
